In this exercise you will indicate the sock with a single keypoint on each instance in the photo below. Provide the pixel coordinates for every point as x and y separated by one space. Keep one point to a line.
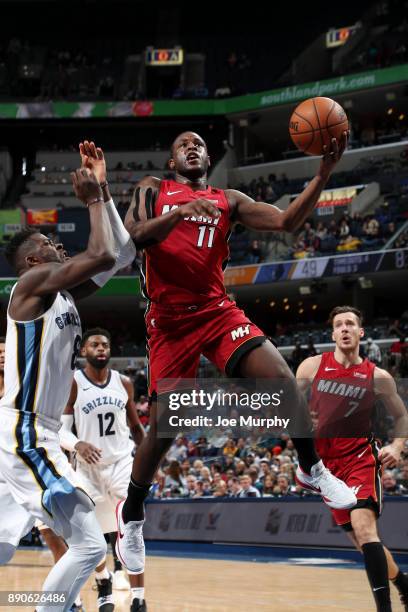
133 509
306 451
103 574
78 601
137 592
401 582
377 572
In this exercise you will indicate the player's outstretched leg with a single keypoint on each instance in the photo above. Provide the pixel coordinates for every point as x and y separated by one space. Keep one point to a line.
130 546
79 527
265 362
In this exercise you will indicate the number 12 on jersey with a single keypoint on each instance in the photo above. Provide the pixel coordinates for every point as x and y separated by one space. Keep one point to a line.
202 230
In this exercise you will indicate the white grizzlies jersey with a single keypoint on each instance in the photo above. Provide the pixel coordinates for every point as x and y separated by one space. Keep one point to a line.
100 416
40 361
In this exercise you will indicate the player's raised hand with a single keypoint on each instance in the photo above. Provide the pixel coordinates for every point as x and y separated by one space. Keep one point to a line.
86 186
92 157
332 154
197 208
90 453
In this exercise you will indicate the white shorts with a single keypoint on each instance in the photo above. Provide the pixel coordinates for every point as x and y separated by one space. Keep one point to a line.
33 465
15 521
106 486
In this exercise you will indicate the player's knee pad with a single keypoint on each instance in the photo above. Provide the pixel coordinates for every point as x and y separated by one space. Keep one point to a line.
6 552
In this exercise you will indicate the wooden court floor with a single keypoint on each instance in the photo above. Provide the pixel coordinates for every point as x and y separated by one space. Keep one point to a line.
206 585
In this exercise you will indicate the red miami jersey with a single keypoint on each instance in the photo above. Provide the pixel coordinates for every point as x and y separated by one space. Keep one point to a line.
187 267
342 400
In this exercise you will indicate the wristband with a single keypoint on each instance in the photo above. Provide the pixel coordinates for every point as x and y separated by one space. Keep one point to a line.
94 201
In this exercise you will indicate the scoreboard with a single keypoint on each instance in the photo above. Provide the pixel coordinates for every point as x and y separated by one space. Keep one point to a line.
164 57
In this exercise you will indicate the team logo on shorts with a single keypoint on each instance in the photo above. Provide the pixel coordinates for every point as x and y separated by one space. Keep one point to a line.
240 332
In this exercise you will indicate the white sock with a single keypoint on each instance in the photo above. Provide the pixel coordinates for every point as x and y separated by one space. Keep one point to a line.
103 574
78 601
137 592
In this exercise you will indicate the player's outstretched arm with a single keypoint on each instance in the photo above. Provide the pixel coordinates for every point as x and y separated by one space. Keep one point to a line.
268 218
145 228
48 278
93 159
135 426
385 389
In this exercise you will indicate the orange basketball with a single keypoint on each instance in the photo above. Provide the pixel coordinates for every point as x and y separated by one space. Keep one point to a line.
315 122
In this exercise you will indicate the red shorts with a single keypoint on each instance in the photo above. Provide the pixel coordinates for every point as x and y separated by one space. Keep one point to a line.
177 336
361 471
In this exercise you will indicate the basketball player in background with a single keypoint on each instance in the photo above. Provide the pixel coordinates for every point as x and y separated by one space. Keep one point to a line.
357 460
183 226
101 407
43 337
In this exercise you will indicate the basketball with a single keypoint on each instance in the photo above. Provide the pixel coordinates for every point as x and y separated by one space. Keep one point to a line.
315 122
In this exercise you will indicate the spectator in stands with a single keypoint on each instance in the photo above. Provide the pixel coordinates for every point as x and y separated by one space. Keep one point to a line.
289 450
221 490
185 468
234 487
198 489
205 473
178 451
390 484
268 485
310 349
255 253
192 450
201 446
247 489
402 478
230 448
191 482
373 352
283 486
197 467
396 330
174 480
207 488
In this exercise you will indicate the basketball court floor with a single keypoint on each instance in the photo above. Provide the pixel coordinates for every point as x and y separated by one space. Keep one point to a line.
192 584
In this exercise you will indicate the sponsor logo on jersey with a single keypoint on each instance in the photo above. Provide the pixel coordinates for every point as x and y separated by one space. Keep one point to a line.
105 400
240 332
66 319
356 489
359 375
339 388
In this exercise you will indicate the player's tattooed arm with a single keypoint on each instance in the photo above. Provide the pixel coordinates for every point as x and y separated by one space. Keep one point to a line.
305 375
386 390
135 426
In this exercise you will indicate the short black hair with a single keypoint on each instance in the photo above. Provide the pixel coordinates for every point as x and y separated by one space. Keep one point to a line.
95 331
2 340
17 241
342 309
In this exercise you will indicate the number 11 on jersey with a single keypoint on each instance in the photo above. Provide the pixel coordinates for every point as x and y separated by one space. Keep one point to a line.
201 236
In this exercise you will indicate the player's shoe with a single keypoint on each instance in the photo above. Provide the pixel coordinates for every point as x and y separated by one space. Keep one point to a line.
105 597
138 605
130 546
120 582
334 491
76 608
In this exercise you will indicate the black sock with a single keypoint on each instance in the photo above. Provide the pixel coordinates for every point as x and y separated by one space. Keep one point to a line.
377 572
306 451
401 582
117 566
133 509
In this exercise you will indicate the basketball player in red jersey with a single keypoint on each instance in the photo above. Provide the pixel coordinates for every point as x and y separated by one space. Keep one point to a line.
183 226
344 388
